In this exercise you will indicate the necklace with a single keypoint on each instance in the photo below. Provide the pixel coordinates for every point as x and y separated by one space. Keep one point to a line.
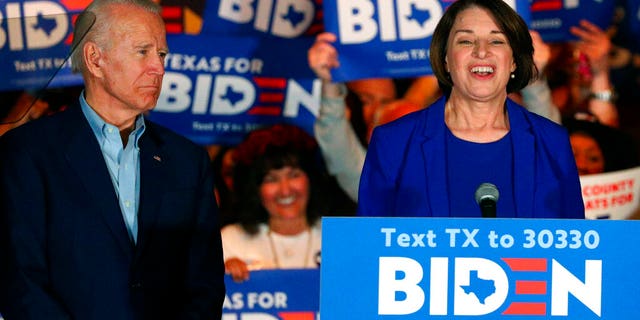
274 253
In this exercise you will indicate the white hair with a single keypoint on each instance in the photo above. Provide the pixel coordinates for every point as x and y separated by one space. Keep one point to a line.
93 25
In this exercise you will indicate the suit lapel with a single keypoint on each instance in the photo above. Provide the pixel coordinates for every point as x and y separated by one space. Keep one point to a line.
152 184
435 160
85 157
523 160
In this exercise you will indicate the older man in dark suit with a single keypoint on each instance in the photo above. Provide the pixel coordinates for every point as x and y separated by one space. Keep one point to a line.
106 215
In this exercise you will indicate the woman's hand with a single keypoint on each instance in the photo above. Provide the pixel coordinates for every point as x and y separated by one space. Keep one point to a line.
323 56
237 269
541 51
595 44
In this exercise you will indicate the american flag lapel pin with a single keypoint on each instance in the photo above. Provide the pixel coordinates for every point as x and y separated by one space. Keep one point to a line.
157 158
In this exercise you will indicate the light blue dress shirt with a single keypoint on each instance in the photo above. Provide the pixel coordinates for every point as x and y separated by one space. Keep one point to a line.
123 163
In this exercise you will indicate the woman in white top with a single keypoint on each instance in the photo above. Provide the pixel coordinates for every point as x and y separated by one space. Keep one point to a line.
278 184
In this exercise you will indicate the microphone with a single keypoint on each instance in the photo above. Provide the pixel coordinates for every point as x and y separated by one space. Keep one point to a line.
487 196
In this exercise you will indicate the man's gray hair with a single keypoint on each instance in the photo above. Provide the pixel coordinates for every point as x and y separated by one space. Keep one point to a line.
93 25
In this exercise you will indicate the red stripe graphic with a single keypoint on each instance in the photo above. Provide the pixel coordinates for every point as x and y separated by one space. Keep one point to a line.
171 12
531 287
270 97
546 5
527 308
264 111
276 83
173 27
527 264
297 315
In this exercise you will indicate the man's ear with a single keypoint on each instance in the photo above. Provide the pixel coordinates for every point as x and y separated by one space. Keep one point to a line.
93 56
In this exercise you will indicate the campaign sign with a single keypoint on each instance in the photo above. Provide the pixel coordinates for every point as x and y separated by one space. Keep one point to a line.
386 38
611 195
632 23
217 89
441 268
35 39
270 18
553 18
273 295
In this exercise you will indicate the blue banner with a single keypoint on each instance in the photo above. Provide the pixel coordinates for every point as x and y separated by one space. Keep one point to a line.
216 89
280 19
437 268
633 10
383 38
35 39
273 295
553 18
632 16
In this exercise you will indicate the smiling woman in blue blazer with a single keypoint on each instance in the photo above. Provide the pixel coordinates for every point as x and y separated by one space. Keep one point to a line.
431 162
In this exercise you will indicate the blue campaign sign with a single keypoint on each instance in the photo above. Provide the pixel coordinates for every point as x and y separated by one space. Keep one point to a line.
216 89
633 10
553 18
35 39
269 18
438 268
273 295
382 38
632 16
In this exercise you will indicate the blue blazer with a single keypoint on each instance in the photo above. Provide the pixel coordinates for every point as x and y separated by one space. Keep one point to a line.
66 253
405 169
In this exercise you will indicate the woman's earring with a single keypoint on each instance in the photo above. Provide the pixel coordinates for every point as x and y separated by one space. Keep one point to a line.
513 76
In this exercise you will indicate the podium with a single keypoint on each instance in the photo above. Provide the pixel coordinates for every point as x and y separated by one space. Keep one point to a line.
441 268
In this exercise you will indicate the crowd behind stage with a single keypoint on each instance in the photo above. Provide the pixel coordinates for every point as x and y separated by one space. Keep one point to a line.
592 87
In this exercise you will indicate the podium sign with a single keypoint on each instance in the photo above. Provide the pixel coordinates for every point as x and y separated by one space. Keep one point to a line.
439 268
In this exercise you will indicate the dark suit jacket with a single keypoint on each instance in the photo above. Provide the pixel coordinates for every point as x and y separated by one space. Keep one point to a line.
405 171
66 253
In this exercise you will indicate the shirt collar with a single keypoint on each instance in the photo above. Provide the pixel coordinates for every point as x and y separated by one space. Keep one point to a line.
100 127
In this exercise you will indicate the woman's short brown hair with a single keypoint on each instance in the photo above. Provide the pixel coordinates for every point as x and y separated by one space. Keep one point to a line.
508 21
